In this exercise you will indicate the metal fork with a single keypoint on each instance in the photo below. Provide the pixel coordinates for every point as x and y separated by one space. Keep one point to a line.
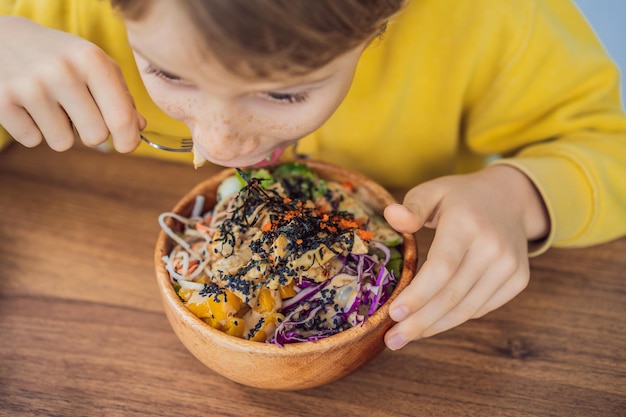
169 143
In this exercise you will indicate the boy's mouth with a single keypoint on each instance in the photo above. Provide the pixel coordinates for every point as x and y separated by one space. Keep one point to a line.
271 158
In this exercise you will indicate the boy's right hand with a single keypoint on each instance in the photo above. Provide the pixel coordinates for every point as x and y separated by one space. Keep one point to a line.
52 82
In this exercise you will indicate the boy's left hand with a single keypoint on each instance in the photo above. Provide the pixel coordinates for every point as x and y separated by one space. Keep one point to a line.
478 259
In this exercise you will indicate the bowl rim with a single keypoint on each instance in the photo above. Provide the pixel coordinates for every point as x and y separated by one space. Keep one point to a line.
355 333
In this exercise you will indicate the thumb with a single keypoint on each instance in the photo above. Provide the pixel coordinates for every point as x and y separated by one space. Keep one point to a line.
419 207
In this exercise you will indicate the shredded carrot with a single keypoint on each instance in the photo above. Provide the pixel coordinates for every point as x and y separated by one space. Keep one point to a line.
348 224
325 208
365 234
267 227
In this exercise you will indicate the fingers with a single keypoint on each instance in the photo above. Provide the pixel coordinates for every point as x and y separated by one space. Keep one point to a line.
478 259
115 105
84 113
419 207
18 123
54 126
506 292
444 259
456 284
48 116
442 282
54 86
50 109
457 304
44 118
402 218
487 286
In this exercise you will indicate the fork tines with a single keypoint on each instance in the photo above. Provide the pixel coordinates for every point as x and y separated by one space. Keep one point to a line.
178 145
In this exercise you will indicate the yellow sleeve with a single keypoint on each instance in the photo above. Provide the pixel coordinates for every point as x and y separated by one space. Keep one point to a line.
558 104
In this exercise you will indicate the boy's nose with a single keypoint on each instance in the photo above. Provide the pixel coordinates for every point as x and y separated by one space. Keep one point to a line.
223 138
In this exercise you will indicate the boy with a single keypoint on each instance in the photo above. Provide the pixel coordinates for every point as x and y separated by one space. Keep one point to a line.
408 94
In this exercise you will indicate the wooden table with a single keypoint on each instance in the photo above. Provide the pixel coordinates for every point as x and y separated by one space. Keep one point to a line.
84 334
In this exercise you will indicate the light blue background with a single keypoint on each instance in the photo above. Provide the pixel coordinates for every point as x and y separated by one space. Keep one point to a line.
608 18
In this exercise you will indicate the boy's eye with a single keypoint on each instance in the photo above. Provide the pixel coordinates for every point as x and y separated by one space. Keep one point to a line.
162 74
287 97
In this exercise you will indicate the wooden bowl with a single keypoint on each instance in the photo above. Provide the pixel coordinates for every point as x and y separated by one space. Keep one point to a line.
294 366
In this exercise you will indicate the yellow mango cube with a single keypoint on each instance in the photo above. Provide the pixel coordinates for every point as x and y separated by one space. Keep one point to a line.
287 291
213 323
224 305
266 302
199 306
234 326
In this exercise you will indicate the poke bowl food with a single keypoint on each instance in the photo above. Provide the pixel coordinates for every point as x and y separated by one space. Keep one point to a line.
280 277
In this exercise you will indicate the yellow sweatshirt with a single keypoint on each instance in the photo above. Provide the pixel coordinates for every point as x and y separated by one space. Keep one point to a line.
453 84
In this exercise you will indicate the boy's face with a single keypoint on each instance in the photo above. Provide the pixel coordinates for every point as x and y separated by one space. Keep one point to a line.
234 121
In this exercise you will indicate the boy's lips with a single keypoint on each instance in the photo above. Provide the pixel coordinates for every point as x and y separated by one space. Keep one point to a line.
271 158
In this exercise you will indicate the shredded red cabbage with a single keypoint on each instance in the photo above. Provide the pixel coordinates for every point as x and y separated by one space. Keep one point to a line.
315 312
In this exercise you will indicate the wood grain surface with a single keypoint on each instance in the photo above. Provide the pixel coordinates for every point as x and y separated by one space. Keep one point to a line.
83 331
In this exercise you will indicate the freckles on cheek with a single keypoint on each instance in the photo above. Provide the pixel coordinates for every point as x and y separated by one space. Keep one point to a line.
176 110
283 131
292 128
313 118
173 107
